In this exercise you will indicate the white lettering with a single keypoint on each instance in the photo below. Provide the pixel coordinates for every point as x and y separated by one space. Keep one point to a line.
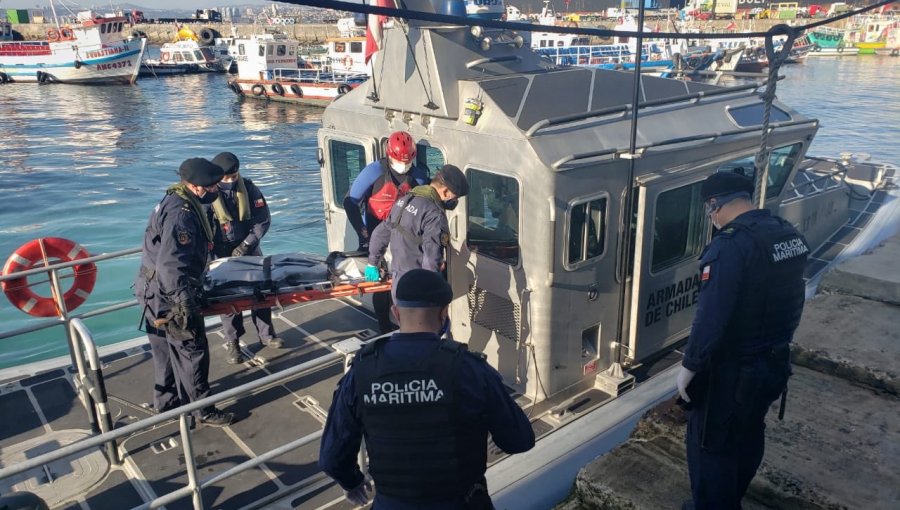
415 391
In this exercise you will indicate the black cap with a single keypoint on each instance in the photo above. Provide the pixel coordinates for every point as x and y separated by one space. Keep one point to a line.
455 180
228 161
421 288
725 183
200 172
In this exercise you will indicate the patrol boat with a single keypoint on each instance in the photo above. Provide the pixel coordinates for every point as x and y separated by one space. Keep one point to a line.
585 332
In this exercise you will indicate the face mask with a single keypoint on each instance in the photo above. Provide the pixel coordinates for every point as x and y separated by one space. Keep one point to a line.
227 186
209 197
400 167
451 204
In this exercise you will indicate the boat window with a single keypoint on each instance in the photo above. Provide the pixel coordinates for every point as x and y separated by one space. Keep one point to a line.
752 115
291 50
493 216
347 161
340 47
103 28
262 50
119 26
178 57
356 47
678 226
241 49
281 50
781 162
198 56
587 230
429 158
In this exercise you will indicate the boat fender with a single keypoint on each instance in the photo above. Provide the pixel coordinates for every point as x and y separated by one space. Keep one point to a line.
297 90
348 61
4 78
207 36
816 47
236 88
840 49
344 88
33 253
43 77
78 64
278 89
258 90
895 52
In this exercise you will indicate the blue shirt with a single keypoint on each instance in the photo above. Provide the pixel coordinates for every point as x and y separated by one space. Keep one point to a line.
480 393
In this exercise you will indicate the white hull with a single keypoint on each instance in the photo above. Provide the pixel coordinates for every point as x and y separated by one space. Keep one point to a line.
309 93
66 62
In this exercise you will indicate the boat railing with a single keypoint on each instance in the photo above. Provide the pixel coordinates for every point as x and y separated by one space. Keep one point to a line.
322 75
195 485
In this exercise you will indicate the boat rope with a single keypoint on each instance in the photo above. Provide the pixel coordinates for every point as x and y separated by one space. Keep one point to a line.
425 88
343 5
776 58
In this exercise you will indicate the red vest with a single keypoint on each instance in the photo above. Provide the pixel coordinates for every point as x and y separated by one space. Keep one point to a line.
383 197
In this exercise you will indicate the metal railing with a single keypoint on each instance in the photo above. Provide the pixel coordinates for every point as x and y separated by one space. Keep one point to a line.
90 385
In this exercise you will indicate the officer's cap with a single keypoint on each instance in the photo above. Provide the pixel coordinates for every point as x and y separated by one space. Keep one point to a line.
200 172
421 288
228 161
725 183
455 180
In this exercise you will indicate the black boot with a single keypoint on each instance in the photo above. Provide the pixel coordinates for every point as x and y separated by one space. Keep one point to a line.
233 354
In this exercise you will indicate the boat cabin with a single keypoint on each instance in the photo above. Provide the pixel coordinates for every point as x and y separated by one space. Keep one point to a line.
186 52
260 55
534 255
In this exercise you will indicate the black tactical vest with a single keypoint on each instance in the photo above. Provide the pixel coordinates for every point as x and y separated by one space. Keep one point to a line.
419 450
770 303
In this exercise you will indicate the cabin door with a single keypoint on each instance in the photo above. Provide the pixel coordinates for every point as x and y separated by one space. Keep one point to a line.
342 157
672 230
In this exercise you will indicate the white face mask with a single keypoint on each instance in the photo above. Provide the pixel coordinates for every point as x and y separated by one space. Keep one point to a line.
400 167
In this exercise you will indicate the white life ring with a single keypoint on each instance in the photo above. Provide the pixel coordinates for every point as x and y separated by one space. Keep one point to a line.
348 61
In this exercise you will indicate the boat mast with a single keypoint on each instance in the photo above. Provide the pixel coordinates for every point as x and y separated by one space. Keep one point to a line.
55 18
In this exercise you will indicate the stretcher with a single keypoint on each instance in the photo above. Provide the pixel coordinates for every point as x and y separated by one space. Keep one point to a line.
235 284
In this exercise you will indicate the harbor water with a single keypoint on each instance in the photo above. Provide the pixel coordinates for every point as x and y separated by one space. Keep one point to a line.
90 163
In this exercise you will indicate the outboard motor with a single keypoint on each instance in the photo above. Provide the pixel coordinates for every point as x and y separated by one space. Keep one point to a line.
22 501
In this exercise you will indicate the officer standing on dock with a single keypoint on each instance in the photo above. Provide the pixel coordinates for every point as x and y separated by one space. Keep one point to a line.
372 194
243 217
177 243
426 407
417 228
737 360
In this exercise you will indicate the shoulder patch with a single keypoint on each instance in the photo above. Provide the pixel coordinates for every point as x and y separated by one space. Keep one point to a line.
727 230
480 356
184 237
445 239
259 202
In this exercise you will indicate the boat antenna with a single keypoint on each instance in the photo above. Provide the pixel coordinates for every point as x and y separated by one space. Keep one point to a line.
776 59
55 17
615 369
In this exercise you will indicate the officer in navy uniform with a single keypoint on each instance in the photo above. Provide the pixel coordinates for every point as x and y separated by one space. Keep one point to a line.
417 228
737 360
243 218
177 243
426 406
373 193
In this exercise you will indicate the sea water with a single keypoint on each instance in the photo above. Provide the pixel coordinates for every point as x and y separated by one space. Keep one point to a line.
90 163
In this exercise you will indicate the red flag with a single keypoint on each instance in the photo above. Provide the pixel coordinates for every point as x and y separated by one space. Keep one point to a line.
373 28
731 26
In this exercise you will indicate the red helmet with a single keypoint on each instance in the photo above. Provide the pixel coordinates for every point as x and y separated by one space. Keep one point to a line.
401 147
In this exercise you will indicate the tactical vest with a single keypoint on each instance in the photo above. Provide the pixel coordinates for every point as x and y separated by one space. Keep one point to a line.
770 303
383 197
419 451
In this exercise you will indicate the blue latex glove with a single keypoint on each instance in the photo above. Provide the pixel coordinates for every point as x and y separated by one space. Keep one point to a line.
372 273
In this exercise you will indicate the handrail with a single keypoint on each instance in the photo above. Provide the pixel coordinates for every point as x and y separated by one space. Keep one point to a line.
63 265
493 60
91 383
182 413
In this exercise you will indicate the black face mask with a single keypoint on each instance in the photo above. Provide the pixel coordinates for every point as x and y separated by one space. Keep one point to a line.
227 186
451 204
209 197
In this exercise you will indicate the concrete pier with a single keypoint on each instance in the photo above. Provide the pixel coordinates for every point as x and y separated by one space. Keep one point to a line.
839 444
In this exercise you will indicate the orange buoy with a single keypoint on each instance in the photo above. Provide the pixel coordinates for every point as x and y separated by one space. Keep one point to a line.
19 292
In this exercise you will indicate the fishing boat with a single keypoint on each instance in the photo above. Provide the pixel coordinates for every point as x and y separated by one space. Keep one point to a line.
185 56
271 71
829 42
573 261
876 35
94 51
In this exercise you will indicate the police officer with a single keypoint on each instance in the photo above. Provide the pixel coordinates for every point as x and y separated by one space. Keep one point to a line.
177 242
426 406
737 360
243 218
417 227
372 194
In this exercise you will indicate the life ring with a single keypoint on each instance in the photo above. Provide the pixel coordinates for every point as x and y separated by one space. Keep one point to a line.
258 90
297 90
53 34
344 88
66 33
31 253
164 56
278 89
840 49
348 61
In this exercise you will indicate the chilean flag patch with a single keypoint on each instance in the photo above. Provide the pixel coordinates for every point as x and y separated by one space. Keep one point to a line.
705 274
259 202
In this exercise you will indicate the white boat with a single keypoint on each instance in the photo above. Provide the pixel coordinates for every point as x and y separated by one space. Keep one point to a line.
268 69
93 51
185 57
346 53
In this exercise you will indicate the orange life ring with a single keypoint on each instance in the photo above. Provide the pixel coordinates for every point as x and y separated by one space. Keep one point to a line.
53 34
348 61
164 56
28 255
67 33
